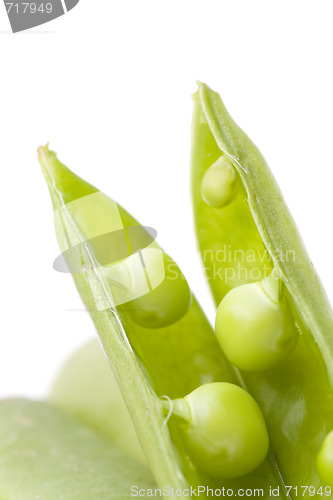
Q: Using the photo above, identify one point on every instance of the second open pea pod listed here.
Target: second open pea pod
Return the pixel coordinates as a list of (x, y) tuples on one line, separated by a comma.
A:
[(274, 322), (158, 343)]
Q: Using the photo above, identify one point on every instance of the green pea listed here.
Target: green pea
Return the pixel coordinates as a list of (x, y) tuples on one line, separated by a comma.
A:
[(223, 428), (255, 328), (155, 293), (325, 460), (219, 183)]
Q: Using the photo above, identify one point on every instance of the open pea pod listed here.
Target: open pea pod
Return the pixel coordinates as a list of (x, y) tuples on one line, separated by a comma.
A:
[(154, 334), (246, 235)]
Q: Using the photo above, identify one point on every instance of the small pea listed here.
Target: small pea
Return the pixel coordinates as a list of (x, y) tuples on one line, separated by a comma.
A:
[(255, 329), (219, 183), (325, 460), (154, 291), (223, 429)]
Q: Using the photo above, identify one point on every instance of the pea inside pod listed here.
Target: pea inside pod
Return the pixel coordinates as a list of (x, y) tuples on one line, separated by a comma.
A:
[(219, 184), (223, 428), (325, 460), (151, 288), (255, 327)]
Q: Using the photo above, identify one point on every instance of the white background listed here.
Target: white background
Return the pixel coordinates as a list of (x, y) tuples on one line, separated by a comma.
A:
[(109, 86)]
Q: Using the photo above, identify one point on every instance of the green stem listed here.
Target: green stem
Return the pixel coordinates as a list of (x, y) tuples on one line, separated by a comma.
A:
[(176, 409), (272, 286)]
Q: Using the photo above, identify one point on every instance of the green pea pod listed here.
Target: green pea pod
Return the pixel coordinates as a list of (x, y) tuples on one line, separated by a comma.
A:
[(241, 242), (44, 454), (167, 349)]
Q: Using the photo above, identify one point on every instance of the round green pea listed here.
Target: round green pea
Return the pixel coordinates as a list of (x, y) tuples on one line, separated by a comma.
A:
[(165, 297), (219, 184), (255, 333), (324, 461), (225, 433)]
